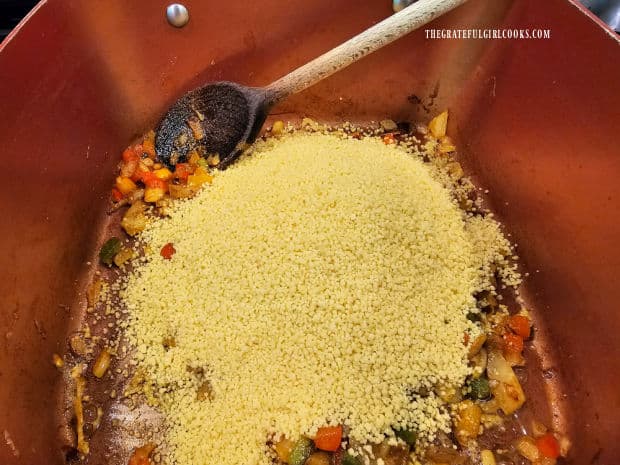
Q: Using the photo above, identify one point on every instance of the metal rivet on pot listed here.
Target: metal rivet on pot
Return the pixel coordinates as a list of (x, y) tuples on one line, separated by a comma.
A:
[(177, 15)]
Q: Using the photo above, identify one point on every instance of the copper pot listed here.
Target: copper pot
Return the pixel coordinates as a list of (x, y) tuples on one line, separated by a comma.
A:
[(536, 122)]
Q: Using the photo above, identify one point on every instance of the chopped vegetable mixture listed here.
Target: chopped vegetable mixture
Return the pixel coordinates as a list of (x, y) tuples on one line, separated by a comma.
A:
[(333, 298)]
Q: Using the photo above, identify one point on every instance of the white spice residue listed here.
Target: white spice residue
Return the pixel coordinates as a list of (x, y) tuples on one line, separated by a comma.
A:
[(318, 281)]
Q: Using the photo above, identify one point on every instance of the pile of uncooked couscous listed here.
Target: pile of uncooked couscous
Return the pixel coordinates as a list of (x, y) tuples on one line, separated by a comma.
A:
[(320, 280)]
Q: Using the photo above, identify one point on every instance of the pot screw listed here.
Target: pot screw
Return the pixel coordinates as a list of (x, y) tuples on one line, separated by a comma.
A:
[(177, 15)]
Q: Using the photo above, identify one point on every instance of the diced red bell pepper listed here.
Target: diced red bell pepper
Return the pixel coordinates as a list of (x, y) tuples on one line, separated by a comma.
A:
[(167, 251), (182, 171), (116, 194), (389, 138), (138, 174), (151, 180), (141, 455), (132, 153), (548, 446), (328, 438), (145, 176), (156, 183), (520, 325)]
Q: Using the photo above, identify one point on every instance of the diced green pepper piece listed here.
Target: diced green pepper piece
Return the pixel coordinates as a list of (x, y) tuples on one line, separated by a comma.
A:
[(479, 388), (301, 451), (348, 459), (203, 162), (407, 435), (108, 250)]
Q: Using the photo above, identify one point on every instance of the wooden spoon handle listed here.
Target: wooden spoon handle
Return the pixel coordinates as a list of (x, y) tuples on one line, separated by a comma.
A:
[(372, 39)]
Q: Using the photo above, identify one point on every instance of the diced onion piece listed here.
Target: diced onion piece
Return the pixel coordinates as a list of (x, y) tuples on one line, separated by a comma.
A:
[(510, 397), (507, 389), (480, 362), (283, 449), (454, 168), (538, 429), (213, 160), (545, 461), (125, 185), (447, 455), (78, 409), (476, 345), (450, 394), (134, 220), (200, 177), (163, 173), (128, 168), (526, 446), (487, 457), (153, 194), (58, 361), (498, 369), (467, 422), (491, 420), (182, 191), (565, 445), (439, 124), (193, 158), (318, 458), (277, 127), (196, 127), (94, 292), (102, 363), (123, 256)]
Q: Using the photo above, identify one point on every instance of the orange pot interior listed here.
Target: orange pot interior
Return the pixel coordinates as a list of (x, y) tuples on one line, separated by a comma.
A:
[(535, 121)]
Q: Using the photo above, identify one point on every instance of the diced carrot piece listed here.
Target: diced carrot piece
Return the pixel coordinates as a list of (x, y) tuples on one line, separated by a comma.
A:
[(513, 343), (328, 438), (117, 195)]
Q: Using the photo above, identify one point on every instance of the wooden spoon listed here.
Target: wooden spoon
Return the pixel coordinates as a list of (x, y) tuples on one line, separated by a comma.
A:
[(225, 116)]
